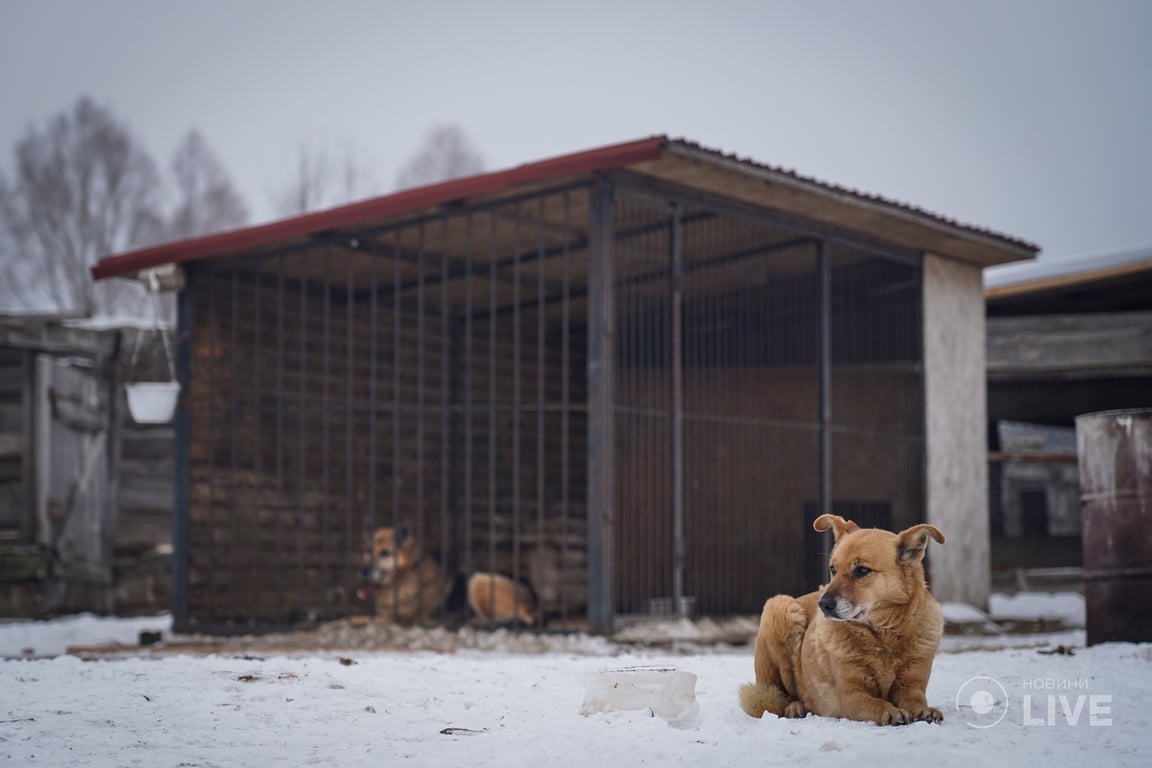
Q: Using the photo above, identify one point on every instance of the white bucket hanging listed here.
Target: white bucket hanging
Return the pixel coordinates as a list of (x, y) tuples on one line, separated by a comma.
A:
[(153, 402)]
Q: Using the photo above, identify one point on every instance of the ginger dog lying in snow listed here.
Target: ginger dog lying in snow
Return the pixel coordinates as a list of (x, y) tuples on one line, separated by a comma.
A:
[(413, 588), (862, 647)]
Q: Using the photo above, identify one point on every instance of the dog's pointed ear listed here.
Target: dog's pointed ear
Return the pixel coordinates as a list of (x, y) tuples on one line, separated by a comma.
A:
[(839, 525), (403, 531), (911, 542)]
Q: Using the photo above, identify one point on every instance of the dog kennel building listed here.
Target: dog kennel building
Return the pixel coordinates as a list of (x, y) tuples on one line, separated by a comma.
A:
[(630, 376)]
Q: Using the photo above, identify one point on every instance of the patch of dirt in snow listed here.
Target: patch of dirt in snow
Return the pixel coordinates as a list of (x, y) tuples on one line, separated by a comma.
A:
[(339, 636)]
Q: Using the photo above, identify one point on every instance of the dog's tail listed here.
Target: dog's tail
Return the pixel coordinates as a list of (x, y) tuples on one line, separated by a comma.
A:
[(758, 698)]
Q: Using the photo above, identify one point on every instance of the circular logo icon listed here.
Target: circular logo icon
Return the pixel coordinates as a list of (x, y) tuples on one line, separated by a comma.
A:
[(982, 702)]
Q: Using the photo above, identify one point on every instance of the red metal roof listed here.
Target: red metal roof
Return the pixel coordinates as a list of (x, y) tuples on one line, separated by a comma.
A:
[(589, 161), (603, 158)]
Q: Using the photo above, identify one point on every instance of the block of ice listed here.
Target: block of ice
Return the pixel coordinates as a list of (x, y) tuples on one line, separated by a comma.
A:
[(669, 692)]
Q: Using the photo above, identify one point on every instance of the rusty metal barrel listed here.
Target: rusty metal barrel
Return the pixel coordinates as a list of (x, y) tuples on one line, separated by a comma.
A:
[(1115, 456)]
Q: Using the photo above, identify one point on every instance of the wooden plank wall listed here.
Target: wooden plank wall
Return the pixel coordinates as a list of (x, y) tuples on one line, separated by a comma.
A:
[(145, 468), (16, 504)]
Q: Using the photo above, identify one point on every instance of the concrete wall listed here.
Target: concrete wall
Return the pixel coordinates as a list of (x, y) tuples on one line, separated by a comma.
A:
[(956, 442)]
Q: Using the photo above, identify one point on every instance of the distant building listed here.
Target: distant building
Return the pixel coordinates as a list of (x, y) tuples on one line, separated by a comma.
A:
[(1065, 337)]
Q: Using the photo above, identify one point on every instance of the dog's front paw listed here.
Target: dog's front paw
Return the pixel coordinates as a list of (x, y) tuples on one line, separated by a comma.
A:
[(795, 709), (892, 715), (928, 715)]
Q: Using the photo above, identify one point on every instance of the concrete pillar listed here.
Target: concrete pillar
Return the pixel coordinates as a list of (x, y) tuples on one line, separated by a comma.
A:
[(956, 432)]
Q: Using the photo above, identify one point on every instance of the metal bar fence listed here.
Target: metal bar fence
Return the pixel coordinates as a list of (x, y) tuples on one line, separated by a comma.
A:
[(630, 399)]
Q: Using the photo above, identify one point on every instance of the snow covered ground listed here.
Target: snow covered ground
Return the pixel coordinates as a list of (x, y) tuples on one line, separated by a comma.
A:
[(503, 708), (52, 638), (1066, 607)]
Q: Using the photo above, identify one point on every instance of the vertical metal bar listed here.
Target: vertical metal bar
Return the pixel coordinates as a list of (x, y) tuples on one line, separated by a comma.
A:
[(730, 485), (703, 401), (469, 256), (540, 383), (627, 357), (325, 421), (825, 378), (724, 227), (492, 426), (758, 325), (447, 443), (650, 339), (350, 505), (676, 295), (565, 404), (182, 470), (921, 445), (373, 389), (517, 405), (255, 543), (213, 398), (233, 442), (646, 327), (396, 362), (601, 383), (421, 403), (711, 480), (281, 438), (302, 437), (628, 426), (631, 353), (653, 339)]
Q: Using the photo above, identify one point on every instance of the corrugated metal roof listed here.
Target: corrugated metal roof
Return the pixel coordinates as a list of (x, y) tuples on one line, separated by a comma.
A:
[(643, 152), (859, 195)]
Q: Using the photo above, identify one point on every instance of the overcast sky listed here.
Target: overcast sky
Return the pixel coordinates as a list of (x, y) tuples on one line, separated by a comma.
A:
[(1033, 118)]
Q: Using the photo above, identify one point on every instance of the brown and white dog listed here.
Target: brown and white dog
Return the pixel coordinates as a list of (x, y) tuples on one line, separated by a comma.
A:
[(412, 588), (862, 646)]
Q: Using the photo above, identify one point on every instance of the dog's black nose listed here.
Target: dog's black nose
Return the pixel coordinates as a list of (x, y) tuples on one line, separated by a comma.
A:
[(828, 603)]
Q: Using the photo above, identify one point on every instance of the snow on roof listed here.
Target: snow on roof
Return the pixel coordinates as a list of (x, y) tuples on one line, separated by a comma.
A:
[(1043, 274)]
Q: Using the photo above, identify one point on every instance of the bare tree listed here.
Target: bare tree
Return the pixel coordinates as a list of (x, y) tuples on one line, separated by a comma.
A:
[(206, 201), (323, 178), (447, 153), (81, 188)]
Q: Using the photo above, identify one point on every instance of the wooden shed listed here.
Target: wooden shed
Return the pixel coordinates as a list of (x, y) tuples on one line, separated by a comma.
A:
[(631, 376), (85, 493)]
